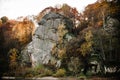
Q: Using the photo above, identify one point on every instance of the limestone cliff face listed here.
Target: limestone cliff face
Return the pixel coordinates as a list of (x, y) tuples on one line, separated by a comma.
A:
[(53, 29)]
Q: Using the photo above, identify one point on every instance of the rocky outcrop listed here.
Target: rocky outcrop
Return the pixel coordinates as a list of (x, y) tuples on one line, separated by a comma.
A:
[(111, 25), (52, 29)]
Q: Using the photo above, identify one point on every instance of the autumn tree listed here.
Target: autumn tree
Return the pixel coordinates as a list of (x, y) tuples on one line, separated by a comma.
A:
[(66, 10), (4, 19), (59, 50), (104, 8), (13, 59), (86, 47)]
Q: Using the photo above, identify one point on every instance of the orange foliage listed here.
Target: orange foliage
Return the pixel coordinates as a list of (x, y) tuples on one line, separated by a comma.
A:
[(99, 24), (16, 31), (65, 10), (23, 31), (97, 12)]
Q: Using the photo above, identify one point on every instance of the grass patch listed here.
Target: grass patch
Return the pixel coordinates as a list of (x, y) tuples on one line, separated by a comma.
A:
[(60, 73)]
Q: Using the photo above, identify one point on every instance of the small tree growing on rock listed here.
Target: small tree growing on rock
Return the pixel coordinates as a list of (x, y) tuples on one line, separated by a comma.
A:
[(13, 60)]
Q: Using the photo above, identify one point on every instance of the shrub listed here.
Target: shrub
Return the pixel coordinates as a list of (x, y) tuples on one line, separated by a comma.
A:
[(46, 72), (60, 73), (29, 72), (38, 71), (82, 76)]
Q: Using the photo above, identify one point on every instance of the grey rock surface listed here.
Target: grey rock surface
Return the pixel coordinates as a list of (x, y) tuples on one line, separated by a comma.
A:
[(45, 37), (111, 25)]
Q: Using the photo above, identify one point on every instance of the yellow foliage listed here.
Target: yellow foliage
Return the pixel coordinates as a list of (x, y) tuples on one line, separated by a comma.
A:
[(60, 73), (61, 53), (88, 36), (54, 50), (61, 31), (13, 55), (23, 31), (86, 47)]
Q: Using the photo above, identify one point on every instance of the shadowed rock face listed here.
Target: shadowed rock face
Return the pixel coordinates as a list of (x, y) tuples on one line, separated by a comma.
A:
[(46, 36), (112, 24)]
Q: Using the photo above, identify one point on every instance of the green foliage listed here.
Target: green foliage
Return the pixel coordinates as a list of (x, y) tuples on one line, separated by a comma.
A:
[(47, 72), (82, 76), (39, 71), (86, 47), (4, 19), (60, 73), (74, 65)]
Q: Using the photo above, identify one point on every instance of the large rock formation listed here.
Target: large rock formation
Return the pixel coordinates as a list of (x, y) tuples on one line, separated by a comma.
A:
[(52, 29)]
